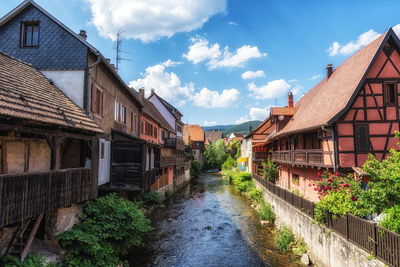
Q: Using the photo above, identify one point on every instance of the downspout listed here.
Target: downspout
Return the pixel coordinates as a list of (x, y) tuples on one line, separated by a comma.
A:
[(89, 88), (333, 146)]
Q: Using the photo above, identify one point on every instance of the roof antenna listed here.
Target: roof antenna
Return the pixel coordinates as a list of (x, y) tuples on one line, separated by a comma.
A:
[(118, 57), (276, 102)]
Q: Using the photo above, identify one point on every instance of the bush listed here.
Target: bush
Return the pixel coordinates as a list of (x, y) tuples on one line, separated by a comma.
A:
[(148, 199), (255, 195), (391, 219), (32, 260), (230, 175), (244, 186), (266, 213), (270, 170), (284, 239), (215, 155), (195, 169), (108, 227), (299, 247), (229, 163)]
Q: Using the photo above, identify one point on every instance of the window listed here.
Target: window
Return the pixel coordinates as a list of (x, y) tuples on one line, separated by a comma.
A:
[(97, 100), (390, 93), (295, 179), (119, 112), (362, 137), (101, 150), (155, 132), (30, 34), (162, 134), (142, 126)]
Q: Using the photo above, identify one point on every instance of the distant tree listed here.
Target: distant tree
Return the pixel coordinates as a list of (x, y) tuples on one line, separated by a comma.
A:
[(215, 155)]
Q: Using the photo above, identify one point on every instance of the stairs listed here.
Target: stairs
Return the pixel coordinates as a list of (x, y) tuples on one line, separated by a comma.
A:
[(23, 237)]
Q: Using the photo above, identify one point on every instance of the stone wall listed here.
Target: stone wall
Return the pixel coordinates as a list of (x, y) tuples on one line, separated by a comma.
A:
[(325, 247), (61, 220)]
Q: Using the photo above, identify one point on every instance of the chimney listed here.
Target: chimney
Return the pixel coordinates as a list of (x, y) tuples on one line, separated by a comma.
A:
[(152, 90), (290, 100), (250, 128), (329, 70), (82, 34), (141, 93)]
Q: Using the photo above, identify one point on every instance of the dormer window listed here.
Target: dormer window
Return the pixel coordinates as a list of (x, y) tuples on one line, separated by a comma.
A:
[(30, 34)]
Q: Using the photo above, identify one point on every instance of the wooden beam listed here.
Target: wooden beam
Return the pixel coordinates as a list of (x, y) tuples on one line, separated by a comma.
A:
[(95, 165), (31, 237)]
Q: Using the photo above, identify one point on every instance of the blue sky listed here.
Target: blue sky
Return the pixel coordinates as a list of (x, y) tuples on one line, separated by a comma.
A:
[(221, 61)]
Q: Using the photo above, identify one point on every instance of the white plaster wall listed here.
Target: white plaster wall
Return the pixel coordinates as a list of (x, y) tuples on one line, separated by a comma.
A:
[(163, 110), (70, 82), (104, 164)]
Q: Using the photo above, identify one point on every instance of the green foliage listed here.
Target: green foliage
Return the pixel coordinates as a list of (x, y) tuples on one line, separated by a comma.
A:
[(284, 239), (299, 247), (234, 149), (195, 169), (270, 170), (32, 260), (108, 227), (229, 163), (242, 128), (148, 199), (266, 213), (215, 155), (255, 195), (391, 219)]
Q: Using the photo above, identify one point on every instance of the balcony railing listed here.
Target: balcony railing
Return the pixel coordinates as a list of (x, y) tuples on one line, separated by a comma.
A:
[(174, 143), (27, 195), (308, 157), (167, 161), (260, 155)]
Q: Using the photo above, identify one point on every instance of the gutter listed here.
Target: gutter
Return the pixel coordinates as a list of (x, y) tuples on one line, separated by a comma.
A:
[(89, 87)]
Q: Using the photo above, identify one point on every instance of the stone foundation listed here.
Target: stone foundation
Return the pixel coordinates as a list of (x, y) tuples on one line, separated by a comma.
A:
[(62, 220)]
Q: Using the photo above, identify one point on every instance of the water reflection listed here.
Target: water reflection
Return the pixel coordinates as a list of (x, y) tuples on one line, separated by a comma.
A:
[(208, 224)]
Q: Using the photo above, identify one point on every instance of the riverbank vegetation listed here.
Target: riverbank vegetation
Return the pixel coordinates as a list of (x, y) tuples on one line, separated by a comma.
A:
[(341, 195), (108, 226)]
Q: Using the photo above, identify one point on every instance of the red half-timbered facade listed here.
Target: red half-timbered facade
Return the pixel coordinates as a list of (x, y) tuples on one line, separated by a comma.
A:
[(351, 113)]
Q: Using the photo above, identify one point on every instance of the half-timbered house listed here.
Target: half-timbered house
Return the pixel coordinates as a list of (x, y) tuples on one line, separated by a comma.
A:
[(48, 156), (352, 112)]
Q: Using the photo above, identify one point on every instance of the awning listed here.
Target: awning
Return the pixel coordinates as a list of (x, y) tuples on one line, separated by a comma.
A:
[(242, 159)]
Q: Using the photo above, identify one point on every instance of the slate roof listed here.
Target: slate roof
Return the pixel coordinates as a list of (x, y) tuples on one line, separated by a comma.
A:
[(25, 93), (214, 135), (174, 111), (150, 110), (324, 103)]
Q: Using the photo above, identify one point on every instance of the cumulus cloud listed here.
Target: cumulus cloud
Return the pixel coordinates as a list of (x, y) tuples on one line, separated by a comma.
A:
[(167, 84), (170, 63), (352, 46), (258, 114), (213, 99), (201, 50), (273, 89), (209, 123), (242, 119), (314, 77), (150, 20), (292, 81), (252, 74)]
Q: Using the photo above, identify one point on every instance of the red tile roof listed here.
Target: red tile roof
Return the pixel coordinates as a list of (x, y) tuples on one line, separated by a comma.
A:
[(26, 93)]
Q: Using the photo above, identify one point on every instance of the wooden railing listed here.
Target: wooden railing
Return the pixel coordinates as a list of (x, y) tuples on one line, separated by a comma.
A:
[(378, 241), (260, 155), (29, 194), (180, 161), (174, 142), (308, 157), (167, 161)]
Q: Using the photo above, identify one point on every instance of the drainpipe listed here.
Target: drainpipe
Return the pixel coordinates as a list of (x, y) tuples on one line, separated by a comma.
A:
[(89, 88), (333, 146)]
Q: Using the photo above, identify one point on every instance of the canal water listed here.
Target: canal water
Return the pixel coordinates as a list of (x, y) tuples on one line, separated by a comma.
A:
[(208, 224)]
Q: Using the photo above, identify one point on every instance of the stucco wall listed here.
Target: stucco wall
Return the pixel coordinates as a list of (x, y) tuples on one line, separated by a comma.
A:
[(70, 82), (325, 248), (40, 155), (163, 110)]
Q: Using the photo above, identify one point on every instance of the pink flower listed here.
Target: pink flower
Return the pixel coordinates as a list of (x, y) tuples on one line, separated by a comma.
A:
[(319, 174), (336, 173), (309, 185)]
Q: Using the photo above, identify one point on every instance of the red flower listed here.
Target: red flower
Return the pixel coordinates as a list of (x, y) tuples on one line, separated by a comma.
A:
[(309, 185), (319, 174), (336, 173), (267, 166)]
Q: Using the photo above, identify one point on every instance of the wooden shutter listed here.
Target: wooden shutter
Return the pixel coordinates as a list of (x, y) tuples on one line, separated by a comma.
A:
[(93, 98), (362, 138), (101, 103)]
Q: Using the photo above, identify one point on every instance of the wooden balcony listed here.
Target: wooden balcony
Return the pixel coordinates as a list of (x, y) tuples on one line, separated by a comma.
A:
[(308, 157), (167, 161), (174, 143), (27, 195), (260, 156)]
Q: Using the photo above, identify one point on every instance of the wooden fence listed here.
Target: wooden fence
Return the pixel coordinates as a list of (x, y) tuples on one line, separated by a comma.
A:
[(380, 242), (27, 195)]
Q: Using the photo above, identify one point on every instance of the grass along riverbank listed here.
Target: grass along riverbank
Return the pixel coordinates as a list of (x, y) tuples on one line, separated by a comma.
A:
[(284, 238)]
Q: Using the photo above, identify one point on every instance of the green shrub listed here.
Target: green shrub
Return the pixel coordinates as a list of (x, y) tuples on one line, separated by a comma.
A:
[(266, 213), (255, 195), (244, 186), (108, 227), (270, 170), (299, 247), (148, 199), (215, 155), (32, 260), (195, 170), (229, 163), (284, 239), (230, 175), (391, 219)]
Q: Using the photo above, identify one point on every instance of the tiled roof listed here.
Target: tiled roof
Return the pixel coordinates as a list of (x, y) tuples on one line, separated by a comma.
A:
[(194, 132), (214, 135), (26, 93), (322, 104), (285, 111)]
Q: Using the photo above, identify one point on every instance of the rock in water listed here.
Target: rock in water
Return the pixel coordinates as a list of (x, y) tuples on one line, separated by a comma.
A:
[(305, 259)]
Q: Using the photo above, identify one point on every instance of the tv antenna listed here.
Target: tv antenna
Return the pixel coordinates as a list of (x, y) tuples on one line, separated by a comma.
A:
[(118, 57)]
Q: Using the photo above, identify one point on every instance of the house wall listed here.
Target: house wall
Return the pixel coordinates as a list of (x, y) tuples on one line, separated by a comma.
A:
[(368, 107), (57, 50), (163, 110), (150, 138)]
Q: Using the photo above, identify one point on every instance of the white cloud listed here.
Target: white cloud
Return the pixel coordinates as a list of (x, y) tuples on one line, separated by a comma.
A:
[(297, 89), (252, 74), (258, 114), (292, 81), (209, 123), (314, 77), (242, 119), (352, 46), (213, 99), (232, 23), (273, 89), (150, 20), (200, 50), (170, 63), (396, 29), (166, 84)]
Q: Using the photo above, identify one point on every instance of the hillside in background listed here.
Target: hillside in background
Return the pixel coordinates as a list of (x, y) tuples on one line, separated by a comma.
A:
[(216, 127), (242, 128)]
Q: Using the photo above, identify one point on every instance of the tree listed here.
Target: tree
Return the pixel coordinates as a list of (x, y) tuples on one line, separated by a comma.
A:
[(215, 155)]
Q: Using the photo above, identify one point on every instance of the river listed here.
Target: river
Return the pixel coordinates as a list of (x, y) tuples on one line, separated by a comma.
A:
[(208, 224)]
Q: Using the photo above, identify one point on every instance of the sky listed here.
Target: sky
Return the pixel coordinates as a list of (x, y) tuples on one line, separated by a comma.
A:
[(225, 61)]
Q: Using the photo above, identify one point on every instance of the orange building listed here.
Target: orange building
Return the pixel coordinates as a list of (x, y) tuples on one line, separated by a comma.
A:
[(194, 136), (352, 112)]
